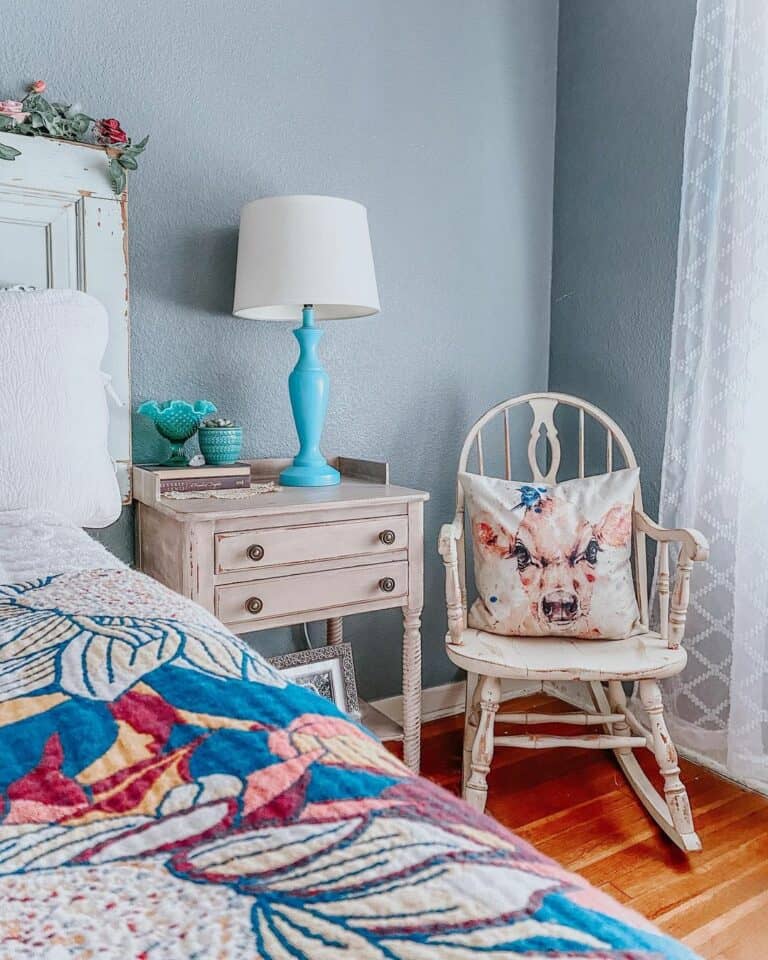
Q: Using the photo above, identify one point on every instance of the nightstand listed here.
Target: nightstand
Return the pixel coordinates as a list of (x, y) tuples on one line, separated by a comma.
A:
[(297, 555)]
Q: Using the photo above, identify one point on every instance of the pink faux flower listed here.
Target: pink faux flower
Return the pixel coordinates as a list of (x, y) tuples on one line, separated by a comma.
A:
[(37, 86), (13, 109)]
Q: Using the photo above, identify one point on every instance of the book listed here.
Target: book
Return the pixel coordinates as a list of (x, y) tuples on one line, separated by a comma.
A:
[(151, 480), (192, 484), (163, 472)]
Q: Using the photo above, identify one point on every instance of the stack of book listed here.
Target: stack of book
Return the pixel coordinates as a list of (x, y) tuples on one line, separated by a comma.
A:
[(152, 480)]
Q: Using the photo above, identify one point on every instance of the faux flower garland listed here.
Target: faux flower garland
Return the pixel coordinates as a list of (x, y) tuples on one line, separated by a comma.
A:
[(34, 116)]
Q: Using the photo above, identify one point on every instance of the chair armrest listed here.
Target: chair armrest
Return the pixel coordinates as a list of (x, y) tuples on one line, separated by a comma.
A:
[(450, 535), (694, 546), (694, 542)]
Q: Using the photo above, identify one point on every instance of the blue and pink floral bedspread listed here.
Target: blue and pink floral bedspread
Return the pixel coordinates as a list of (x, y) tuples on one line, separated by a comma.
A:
[(164, 793)]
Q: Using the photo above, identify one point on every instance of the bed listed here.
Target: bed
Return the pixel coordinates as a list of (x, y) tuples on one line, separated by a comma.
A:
[(165, 793)]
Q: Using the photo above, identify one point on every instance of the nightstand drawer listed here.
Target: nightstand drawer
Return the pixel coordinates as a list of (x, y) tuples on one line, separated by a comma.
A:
[(310, 592), (275, 546)]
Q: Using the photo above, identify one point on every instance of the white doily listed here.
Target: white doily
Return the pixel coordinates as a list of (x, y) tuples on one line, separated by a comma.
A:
[(256, 488)]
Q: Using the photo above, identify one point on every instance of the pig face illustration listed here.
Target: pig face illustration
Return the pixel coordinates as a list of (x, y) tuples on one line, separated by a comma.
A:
[(559, 557)]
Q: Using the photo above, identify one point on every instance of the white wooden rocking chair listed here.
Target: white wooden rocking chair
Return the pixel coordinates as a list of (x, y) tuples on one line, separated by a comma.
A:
[(601, 665)]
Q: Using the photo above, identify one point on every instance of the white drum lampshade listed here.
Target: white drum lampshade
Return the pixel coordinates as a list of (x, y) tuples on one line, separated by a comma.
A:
[(304, 250)]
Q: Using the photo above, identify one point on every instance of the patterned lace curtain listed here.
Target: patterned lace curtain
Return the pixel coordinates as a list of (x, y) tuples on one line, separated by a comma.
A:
[(716, 456)]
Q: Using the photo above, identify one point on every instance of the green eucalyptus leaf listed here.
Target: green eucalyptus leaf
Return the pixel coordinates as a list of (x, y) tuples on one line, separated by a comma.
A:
[(6, 122), (8, 153), (116, 175), (44, 107), (34, 103), (79, 123), (127, 162), (139, 147)]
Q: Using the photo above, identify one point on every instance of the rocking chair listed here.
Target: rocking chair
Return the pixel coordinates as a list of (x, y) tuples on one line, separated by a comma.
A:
[(603, 665)]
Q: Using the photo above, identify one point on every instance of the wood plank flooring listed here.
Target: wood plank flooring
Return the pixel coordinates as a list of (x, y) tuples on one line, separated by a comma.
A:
[(575, 806)]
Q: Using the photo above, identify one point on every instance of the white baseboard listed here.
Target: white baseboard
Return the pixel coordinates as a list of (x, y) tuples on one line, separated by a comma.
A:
[(448, 699)]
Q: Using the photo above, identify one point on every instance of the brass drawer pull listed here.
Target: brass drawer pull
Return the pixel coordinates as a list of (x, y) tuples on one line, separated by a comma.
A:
[(255, 552), (387, 584), (387, 537), (254, 605)]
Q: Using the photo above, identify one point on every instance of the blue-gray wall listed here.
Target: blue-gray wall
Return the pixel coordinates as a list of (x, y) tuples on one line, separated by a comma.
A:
[(621, 99), (437, 114)]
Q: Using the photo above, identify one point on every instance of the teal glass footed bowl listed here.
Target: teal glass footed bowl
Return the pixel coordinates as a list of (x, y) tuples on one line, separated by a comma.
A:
[(220, 445), (177, 421)]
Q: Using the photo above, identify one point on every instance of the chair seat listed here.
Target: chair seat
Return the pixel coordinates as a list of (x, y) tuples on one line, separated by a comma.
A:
[(644, 655)]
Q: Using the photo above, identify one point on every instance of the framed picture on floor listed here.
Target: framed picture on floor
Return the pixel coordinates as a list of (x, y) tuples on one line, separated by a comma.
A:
[(329, 671)]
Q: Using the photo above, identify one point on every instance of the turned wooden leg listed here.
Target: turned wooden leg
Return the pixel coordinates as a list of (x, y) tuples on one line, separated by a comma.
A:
[(471, 716), (476, 788), (412, 688), (334, 631), (666, 757), (617, 700)]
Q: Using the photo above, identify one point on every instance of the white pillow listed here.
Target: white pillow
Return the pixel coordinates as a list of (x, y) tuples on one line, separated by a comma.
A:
[(553, 560), (53, 408)]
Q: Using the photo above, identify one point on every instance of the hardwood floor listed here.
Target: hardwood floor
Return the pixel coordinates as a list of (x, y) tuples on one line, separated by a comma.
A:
[(575, 806)]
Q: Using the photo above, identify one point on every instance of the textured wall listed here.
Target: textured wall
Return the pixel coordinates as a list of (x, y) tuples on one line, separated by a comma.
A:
[(621, 99), (437, 114)]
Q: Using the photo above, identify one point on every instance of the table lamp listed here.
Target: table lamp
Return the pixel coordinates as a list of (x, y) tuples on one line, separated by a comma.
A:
[(305, 258)]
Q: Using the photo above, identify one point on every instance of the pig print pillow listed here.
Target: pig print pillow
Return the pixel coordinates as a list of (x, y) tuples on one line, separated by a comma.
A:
[(553, 560)]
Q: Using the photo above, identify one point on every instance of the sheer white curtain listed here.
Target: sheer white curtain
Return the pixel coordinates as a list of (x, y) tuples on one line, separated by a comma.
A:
[(716, 455)]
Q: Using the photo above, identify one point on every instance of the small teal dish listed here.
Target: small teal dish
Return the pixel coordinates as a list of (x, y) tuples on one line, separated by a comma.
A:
[(220, 446), (177, 421)]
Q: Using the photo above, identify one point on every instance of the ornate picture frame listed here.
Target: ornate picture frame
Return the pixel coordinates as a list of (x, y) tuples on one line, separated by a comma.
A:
[(329, 671)]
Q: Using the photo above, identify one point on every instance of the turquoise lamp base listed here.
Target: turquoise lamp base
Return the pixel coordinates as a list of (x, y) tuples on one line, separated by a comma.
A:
[(308, 387), (322, 475)]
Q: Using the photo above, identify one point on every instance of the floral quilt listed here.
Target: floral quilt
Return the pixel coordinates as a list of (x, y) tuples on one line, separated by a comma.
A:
[(164, 793)]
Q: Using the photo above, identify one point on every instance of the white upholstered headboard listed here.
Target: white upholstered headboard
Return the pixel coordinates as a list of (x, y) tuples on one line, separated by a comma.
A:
[(61, 226)]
